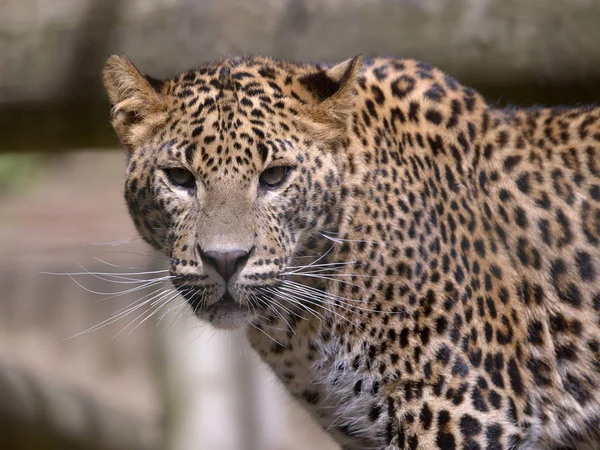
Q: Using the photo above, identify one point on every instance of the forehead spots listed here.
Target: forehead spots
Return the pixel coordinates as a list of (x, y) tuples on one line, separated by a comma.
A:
[(263, 151), (234, 125)]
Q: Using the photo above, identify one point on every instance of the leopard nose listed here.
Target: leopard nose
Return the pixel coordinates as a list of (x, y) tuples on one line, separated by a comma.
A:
[(227, 264)]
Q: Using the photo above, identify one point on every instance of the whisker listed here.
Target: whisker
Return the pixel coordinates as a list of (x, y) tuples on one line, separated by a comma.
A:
[(131, 291), (320, 277), (120, 314), (278, 313), (315, 302), (250, 298), (323, 265), (162, 300), (320, 257), (163, 303), (266, 334), (292, 300), (119, 242), (319, 291), (341, 240), (107, 263), (138, 253), (339, 301), (118, 279), (105, 273), (174, 308), (127, 291), (153, 293), (329, 274), (285, 309)]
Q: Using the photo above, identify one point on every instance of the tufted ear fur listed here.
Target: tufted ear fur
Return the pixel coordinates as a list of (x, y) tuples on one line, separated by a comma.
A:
[(335, 92), (137, 99)]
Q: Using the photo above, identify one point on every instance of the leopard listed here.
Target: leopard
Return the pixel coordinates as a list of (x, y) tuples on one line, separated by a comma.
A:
[(418, 267)]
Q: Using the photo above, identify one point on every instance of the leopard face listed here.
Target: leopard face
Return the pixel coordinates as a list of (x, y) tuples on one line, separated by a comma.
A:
[(230, 174)]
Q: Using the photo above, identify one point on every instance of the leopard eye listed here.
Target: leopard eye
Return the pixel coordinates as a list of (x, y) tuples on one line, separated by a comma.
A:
[(274, 176), (181, 177)]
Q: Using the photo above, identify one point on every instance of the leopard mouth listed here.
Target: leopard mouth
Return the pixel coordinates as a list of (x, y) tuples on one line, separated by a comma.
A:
[(225, 313)]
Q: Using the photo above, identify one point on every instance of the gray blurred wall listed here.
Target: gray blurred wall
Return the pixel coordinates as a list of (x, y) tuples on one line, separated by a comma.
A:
[(52, 51)]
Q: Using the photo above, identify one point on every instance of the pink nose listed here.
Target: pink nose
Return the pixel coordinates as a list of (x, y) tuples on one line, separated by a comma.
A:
[(227, 264)]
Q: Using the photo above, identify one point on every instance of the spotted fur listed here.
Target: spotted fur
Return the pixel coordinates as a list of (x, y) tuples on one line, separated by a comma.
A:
[(453, 301)]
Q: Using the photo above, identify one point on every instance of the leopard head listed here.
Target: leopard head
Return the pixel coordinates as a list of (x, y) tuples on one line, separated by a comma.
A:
[(233, 170)]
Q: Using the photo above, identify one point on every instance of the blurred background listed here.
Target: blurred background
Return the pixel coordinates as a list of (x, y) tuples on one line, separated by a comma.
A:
[(163, 381)]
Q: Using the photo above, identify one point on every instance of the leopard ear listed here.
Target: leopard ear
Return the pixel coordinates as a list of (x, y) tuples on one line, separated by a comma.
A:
[(134, 97), (335, 92)]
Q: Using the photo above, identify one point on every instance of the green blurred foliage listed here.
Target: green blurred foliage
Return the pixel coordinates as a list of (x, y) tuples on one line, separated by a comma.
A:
[(17, 171)]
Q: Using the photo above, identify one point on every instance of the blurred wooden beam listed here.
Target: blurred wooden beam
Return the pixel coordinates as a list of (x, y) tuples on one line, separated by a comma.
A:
[(75, 125), (55, 127)]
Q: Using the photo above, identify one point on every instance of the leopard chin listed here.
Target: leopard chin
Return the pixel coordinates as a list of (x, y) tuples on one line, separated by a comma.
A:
[(226, 314)]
